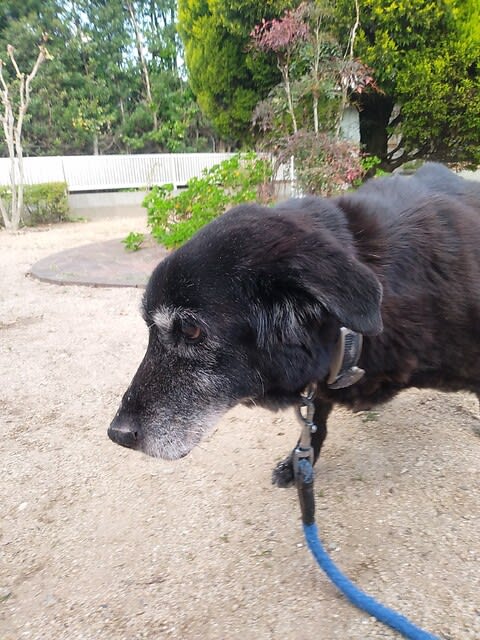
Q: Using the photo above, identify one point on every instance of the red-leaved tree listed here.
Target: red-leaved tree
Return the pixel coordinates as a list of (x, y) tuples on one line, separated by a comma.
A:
[(313, 69), (283, 37)]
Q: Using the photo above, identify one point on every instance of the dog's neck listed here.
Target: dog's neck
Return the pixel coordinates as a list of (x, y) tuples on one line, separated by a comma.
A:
[(343, 368)]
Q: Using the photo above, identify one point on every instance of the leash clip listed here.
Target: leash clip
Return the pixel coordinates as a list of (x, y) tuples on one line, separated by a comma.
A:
[(303, 455), (305, 411)]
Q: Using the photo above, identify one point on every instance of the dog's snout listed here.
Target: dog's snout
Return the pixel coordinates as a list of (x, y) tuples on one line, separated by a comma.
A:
[(124, 434)]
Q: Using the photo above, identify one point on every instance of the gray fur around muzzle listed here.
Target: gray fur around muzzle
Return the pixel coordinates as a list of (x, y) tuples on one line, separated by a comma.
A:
[(167, 419), (159, 432)]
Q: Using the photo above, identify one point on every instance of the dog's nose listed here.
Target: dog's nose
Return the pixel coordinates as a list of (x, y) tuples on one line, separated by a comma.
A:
[(124, 434)]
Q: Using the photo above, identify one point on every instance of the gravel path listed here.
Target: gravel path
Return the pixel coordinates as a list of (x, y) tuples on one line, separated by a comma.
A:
[(97, 542)]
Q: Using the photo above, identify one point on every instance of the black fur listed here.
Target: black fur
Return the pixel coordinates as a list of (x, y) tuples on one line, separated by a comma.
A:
[(267, 290)]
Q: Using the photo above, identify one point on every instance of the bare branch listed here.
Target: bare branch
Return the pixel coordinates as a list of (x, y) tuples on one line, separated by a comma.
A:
[(353, 32), (2, 79), (42, 56), (11, 55), (394, 163), (397, 120)]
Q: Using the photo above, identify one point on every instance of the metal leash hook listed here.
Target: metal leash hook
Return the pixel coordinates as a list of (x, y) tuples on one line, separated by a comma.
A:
[(303, 455), (306, 421)]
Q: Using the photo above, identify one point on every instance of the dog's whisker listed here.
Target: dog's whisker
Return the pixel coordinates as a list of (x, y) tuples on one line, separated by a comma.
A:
[(261, 380)]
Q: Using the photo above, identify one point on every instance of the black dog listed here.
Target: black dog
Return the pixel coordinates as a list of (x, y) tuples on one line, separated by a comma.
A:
[(264, 301)]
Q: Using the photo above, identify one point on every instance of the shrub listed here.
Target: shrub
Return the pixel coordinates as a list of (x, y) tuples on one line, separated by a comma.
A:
[(174, 218), (323, 165), (44, 203), (133, 241)]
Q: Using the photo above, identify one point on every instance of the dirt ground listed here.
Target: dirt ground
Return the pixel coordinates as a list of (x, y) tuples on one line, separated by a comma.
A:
[(98, 542)]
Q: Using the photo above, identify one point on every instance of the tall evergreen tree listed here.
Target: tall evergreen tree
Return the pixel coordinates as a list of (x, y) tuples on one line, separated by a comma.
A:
[(226, 76)]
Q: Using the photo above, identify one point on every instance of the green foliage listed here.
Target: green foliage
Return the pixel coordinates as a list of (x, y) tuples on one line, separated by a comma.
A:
[(440, 98), (44, 203), (313, 68), (391, 29), (174, 218), (371, 166), (90, 97), (133, 241), (226, 76), (425, 56)]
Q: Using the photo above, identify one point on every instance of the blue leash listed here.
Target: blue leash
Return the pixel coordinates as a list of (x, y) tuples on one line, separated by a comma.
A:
[(304, 480), (357, 596)]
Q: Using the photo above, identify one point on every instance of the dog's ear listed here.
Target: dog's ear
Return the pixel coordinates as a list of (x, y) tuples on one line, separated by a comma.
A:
[(308, 275), (348, 289)]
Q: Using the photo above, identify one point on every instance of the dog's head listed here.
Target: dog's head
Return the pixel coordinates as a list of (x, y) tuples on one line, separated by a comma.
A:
[(246, 311)]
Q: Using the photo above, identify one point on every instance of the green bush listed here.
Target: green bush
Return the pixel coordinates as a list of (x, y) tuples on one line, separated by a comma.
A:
[(134, 241), (174, 219), (44, 203)]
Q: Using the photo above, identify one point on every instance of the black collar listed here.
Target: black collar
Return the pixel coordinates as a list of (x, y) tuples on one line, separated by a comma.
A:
[(343, 368)]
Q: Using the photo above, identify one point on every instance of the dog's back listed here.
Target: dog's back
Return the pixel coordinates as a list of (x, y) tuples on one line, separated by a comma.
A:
[(396, 193), (439, 179), (420, 234)]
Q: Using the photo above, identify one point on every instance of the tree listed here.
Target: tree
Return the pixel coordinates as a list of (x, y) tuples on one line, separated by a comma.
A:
[(91, 73), (312, 66), (158, 111), (93, 96), (227, 78), (424, 56), (283, 37), (313, 70), (76, 108), (141, 58), (12, 119), (321, 43)]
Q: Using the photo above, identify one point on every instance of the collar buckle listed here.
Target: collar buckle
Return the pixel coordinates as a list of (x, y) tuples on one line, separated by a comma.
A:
[(343, 369)]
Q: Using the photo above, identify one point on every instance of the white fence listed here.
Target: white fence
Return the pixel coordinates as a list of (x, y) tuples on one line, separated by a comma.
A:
[(104, 173), (116, 172)]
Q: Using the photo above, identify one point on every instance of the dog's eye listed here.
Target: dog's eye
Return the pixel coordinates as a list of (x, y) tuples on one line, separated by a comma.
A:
[(191, 332)]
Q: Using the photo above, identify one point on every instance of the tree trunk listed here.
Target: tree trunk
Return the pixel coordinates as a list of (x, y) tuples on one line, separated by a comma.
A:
[(122, 110), (317, 44), (286, 81), (349, 54), (143, 63), (315, 113), (17, 210), (8, 129), (13, 134), (5, 216), (375, 112), (13, 194), (341, 111), (17, 215)]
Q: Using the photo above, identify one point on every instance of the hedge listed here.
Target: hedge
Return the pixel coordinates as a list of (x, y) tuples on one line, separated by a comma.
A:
[(44, 203)]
